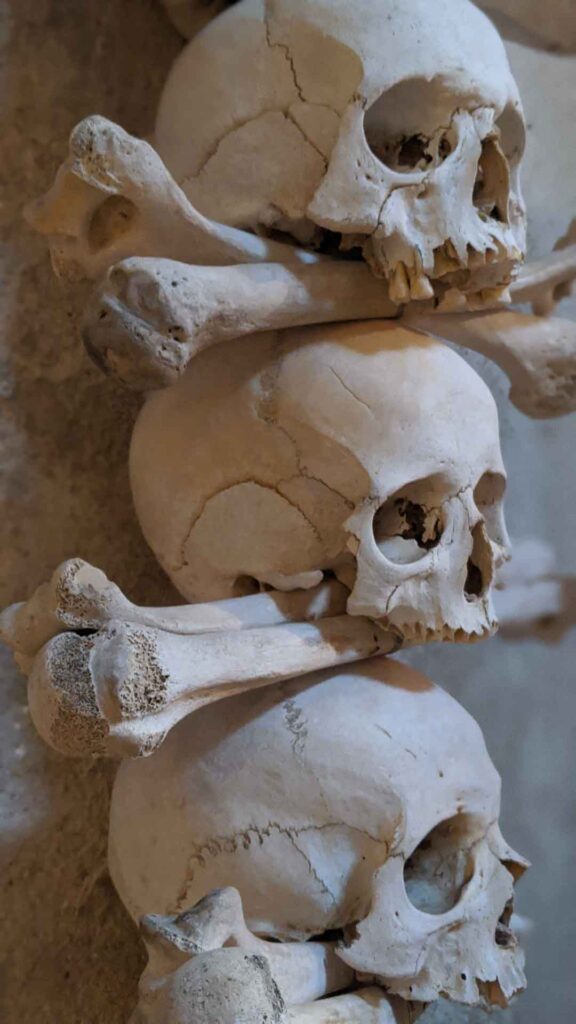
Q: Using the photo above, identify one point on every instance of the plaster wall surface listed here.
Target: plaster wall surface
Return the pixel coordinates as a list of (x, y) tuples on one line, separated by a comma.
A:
[(69, 954)]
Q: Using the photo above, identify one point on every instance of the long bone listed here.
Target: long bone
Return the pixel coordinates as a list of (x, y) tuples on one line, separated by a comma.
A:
[(303, 971), (119, 691), (153, 316), (530, 595), (194, 974), (113, 197), (80, 597), (537, 354)]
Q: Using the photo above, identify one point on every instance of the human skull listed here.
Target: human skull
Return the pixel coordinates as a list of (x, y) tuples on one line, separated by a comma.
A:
[(392, 129), (360, 800), (369, 451)]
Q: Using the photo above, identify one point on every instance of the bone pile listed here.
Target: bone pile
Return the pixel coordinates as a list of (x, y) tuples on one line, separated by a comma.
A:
[(305, 829)]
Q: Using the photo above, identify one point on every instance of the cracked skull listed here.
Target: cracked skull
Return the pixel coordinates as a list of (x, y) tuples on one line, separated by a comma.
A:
[(383, 129), (368, 451), (359, 801)]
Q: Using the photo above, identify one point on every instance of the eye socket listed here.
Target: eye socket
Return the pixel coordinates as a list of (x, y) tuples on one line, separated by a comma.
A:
[(441, 866), (409, 153), (409, 524), (401, 127)]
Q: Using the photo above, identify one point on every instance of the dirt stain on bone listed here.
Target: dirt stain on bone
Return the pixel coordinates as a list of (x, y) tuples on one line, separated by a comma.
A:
[(296, 724)]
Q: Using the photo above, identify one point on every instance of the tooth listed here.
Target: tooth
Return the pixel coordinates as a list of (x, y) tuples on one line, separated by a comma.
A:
[(451, 250), (495, 296), (420, 287), (453, 302), (399, 287)]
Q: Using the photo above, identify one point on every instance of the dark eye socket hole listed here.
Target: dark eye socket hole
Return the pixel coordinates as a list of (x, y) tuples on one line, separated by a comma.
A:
[(439, 868), (406, 529), (406, 153), (402, 129)]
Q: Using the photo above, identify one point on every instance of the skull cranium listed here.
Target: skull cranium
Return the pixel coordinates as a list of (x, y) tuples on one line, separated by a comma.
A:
[(365, 450), (390, 129), (359, 800)]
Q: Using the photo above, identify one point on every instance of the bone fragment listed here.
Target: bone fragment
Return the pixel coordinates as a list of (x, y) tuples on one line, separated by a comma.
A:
[(303, 971), (532, 598), (365, 1006), (545, 282), (152, 316), (206, 965), (537, 354), (113, 197), (119, 691), (81, 597)]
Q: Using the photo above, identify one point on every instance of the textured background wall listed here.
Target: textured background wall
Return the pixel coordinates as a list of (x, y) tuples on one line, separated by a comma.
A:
[(69, 954)]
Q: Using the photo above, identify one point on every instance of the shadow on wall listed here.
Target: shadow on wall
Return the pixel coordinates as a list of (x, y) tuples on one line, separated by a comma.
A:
[(70, 952)]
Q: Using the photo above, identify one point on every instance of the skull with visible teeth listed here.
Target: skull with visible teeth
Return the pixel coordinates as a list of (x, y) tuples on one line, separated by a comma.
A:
[(391, 130), (367, 451)]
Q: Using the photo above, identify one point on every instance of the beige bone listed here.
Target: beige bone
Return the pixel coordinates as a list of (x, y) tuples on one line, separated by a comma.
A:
[(78, 597), (537, 354), (119, 691), (302, 971), (113, 197), (153, 316), (205, 964)]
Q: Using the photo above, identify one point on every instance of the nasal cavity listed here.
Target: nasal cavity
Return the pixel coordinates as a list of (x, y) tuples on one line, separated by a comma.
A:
[(479, 570)]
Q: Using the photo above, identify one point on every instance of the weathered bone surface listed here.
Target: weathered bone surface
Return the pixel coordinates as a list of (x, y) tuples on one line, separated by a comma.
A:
[(205, 966), (301, 972), (113, 197), (151, 317), (394, 129), (330, 449), (80, 597), (276, 793), (118, 692), (537, 354)]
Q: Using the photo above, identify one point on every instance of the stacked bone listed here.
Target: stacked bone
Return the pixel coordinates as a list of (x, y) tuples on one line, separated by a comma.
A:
[(322, 848)]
